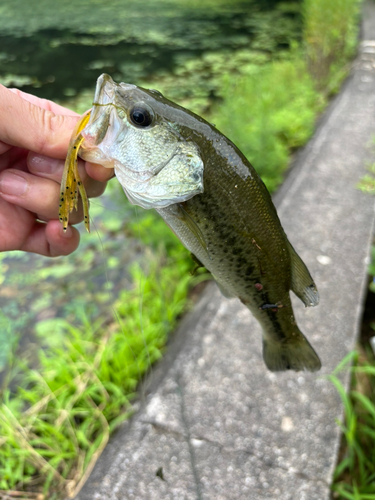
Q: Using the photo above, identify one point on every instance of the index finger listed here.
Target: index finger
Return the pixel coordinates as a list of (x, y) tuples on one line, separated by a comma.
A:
[(32, 127), (44, 103)]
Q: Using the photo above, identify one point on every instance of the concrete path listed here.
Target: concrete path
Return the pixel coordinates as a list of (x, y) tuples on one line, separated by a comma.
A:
[(216, 423)]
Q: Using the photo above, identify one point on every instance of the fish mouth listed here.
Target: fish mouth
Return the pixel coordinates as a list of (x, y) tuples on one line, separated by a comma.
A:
[(97, 127), (103, 100), (104, 103), (104, 128), (106, 91)]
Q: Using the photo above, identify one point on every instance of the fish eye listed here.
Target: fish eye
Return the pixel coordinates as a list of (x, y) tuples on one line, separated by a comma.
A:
[(141, 116)]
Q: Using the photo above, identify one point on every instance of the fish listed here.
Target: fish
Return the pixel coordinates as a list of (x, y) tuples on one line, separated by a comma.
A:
[(172, 160)]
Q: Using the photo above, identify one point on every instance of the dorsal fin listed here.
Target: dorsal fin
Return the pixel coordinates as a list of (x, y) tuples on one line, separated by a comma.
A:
[(302, 283)]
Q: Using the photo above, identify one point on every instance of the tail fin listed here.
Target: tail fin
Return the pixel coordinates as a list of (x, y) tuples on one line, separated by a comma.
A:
[(294, 354)]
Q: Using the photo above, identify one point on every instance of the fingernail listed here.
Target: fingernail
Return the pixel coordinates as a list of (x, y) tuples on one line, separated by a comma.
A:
[(45, 164), (13, 184)]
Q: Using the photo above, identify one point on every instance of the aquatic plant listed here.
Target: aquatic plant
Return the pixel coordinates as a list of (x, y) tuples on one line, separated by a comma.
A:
[(331, 35), (270, 112)]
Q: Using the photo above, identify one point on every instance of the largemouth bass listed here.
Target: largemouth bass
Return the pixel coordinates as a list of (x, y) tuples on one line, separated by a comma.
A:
[(170, 159)]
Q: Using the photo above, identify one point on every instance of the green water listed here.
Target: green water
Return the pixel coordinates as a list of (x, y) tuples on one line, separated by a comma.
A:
[(57, 49)]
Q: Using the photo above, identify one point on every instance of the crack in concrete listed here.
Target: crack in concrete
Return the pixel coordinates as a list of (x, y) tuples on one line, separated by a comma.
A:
[(164, 428), (188, 437)]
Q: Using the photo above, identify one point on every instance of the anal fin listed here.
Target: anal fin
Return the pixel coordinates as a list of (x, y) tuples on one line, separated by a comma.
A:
[(302, 283)]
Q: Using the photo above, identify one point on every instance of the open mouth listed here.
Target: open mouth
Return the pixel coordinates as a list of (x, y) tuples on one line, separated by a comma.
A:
[(107, 95), (97, 127), (104, 91)]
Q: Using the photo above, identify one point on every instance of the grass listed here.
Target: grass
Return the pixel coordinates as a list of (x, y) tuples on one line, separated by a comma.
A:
[(331, 36), (367, 183), (269, 113), (354, 477), (56, 419), (271, 110)]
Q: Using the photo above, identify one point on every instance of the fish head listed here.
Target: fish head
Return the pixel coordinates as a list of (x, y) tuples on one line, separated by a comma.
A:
[(139, 133)]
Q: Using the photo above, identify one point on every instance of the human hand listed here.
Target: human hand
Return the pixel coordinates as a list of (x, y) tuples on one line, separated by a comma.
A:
[(34, 137)]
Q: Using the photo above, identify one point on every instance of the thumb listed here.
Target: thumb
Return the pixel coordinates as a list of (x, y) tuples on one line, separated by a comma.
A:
[(35, 127)]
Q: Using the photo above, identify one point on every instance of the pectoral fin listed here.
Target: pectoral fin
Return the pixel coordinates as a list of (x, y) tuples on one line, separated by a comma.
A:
[(302, 283), (182, 214)]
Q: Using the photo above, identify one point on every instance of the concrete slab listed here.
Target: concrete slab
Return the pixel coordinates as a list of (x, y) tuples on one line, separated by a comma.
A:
[(216, 422)]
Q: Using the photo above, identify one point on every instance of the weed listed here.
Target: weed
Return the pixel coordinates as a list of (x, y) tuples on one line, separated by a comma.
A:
[(330, 34), (367, 182), (354, 477), (269, 113), (56, 422)]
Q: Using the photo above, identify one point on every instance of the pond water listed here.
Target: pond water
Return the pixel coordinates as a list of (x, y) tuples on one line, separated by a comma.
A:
[(56, 50)]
